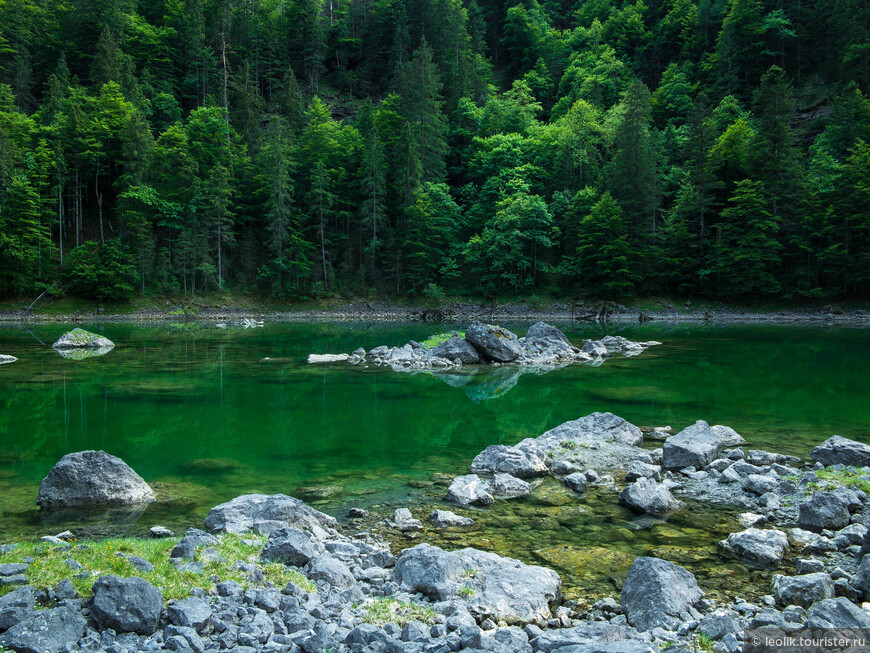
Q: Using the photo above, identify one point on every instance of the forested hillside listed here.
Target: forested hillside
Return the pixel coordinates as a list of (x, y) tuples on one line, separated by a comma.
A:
[(304, 148)]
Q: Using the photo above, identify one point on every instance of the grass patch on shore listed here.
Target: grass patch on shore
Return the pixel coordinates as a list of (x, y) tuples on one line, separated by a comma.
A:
[(392, 611), (51, 563), (433, 341), (831, 479)]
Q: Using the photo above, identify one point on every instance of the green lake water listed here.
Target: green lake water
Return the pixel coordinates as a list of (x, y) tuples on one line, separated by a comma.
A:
[(203, 416)]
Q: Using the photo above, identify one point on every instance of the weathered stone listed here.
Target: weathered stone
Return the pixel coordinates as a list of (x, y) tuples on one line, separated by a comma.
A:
[(837, 613), (508, 460), (190, 613), (838, 450), (576, 481), (127, 604), (493, 342), (81, 339), (861, 579), (330, 570), (448, 519), (457, 348), (92, 478), (802, 590), (759, 484), (469, 490), (243, 513), (16, 606), (45, 631), (647, 496), (594, 348), (757, 548), (327, 358), (658, 593), (728, 436), (405, 521), (291, 546), (505, 486), (637, 469), (694, 446), (824, 510)]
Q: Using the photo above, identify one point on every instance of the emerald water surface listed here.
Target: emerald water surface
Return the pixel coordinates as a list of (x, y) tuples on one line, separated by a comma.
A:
[(205, 414)]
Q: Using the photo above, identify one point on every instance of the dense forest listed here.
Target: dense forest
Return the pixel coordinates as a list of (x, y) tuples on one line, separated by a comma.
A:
[(308, 148)]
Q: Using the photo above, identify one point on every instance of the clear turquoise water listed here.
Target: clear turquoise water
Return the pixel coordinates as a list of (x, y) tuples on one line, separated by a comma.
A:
[(201, 414)]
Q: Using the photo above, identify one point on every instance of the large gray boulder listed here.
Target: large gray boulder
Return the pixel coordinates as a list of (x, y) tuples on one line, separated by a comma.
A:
[(505, 486), (429, 570), (658, 594), (508, 460), (545, 333), (728, 436), (838, 450), (647, 496), (695, 446), (330, 570), (45, 631), (291, 546), (92, 478), (81, 339), (593, 428), (824, 510), (455, 348), (253, 511), (494, 343), (837, 613), (493, 586), (756, 548), (127, 605), (470, 490), (16, 606), (802, 590)]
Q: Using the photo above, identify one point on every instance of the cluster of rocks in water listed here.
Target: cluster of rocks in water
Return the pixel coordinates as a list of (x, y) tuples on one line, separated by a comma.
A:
[(543, 346), (470, 600)]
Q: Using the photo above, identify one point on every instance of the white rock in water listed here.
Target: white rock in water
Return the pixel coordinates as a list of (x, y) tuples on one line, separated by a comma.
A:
[(327, 358), (79, 338), (7, 359)]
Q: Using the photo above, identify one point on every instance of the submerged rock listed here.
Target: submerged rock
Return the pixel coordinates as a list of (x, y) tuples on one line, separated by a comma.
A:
[(658, 594), (327, 358), (92, 478), (757, 548), (838, 450)]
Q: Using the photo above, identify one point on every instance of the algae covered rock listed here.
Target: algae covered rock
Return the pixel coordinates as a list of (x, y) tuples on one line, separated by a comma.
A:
[(81, 339)]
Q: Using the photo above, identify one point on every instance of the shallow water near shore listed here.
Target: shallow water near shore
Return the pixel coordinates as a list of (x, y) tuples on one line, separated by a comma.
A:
[(205, 414)]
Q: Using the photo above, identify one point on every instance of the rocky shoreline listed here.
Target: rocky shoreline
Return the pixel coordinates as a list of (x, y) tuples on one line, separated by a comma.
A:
[(351, 593), (459, 312)]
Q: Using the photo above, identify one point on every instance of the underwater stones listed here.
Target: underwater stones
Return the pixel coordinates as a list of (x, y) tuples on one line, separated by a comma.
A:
[(470, 490), (505, 486), (508, 460), (658, 594), (647, 496), (318, 492), (494, 342), (838, 450), (247, 511), (92, 478), (694, 446), (756, 548), (448, 519)]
